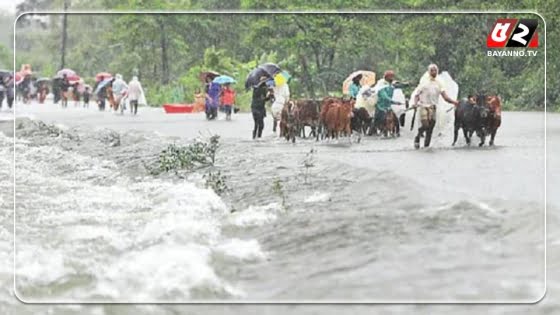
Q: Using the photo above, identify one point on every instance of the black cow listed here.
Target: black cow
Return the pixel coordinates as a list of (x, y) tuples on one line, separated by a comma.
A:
[(472, 116), (361, 120)]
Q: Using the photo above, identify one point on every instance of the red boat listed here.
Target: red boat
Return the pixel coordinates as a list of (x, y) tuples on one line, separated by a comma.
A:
[(178, 108)]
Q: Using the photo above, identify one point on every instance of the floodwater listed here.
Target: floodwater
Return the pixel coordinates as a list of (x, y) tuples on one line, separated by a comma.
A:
[(374, 221)]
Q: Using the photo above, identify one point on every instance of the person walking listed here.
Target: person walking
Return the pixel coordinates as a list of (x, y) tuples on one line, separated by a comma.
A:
[(135, 94)]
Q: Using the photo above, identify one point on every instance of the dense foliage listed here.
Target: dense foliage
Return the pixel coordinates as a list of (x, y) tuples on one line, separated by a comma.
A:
[(168, 51)]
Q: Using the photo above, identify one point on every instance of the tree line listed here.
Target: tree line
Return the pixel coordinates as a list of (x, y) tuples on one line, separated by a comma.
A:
[(167, 51)]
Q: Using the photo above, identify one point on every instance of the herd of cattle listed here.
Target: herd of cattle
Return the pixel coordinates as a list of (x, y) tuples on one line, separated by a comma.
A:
[(332, 117)]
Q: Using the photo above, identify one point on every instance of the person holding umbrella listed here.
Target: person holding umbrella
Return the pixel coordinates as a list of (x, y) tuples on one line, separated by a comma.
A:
[(212, 100), (64, 86), (355, 86), (227, 94), (101, 92), (260, 96)]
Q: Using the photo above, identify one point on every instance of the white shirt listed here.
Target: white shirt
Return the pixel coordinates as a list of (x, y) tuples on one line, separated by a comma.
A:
[(429, 92)]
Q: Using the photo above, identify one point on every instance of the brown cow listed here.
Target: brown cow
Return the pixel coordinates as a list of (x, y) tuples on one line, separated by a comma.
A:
[(288, 121), (308, 114), (495, 120), (345, 116), (391, 125), (326, 104), (335, 116)]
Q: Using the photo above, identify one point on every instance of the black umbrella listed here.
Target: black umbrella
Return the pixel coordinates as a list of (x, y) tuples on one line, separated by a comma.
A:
[(5, 73), (270, 68), (254, 77)]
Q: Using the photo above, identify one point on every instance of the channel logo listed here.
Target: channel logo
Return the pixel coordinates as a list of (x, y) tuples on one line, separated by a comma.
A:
[(513, 33)]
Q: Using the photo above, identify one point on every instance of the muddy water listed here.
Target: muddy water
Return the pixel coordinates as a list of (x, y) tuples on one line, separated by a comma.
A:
[(374, 221)]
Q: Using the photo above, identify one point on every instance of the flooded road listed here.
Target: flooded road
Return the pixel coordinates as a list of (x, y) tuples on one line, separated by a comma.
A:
[(373, 221)]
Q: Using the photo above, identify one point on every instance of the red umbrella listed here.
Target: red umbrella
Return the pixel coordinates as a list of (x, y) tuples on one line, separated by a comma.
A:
[(68, 72), (18, 77), (105, 75), (74, 79)]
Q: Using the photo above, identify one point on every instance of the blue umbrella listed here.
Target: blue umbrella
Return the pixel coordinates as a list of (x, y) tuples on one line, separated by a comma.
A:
[(102, 84), (223, 79)]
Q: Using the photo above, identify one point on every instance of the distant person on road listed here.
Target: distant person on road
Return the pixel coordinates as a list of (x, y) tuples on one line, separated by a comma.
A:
[(87, 94), (3, 88), (260, 96), (64, 86), (101, 94), (9, 84), (135, 94), (76, 94), (119, 90), (199, 100), (228, 99), (212, 100)]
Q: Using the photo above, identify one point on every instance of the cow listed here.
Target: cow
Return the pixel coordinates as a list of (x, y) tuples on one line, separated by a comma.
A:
[(326, 104), (495, 119), (361, 120), (335, 116), (288, 122), (308, 114), (391, 125), (465, 119), (345, 116), (473, 116)]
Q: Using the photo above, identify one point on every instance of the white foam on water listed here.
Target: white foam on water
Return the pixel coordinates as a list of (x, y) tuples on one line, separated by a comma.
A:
[(39, 266), (86, 232), (148, 239), (317, 197), (161, 272), (256, 215), (244, 250)]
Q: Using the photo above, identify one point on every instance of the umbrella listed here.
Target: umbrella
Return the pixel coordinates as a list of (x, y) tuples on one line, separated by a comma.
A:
[(43, 80), (105, 75), (255, 77), (282, 78), (68, 72), (102, 84), (75, 79), (208, 74), (5, 73), (18, 78), (368, 78), (270, 68), (223, 79)]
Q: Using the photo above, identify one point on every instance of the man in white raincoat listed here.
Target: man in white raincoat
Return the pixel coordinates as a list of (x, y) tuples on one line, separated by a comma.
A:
[(426, 100), (135, 95), (281, 96)]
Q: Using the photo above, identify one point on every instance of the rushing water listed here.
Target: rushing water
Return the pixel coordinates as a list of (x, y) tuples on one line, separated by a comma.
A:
[(371, 221)]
